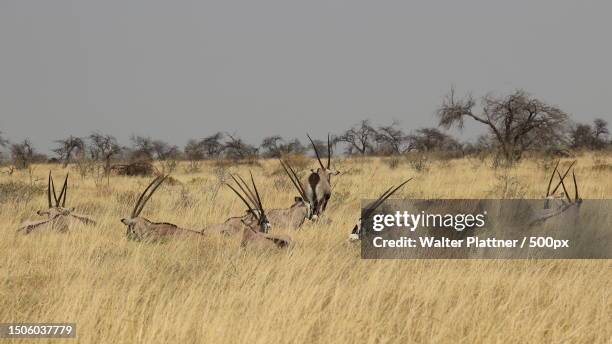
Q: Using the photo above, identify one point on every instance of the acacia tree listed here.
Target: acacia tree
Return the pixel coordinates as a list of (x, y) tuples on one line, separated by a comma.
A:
[(103, 147), (360, 138), (236, 149), (213, 145), (69, 148), (3, 143), (432, 139), (275, 146), (517, 121)]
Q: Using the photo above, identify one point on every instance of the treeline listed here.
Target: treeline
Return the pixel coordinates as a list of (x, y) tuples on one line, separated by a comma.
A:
[(515, 123)]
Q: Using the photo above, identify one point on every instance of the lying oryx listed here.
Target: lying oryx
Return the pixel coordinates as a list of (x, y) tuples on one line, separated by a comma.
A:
[(318, 184), (356, 233), (255, 232), (140, 228), (558, 204), (58, 217)]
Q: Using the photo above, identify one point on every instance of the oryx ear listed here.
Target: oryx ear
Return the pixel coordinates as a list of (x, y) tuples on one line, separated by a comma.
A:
[(335, 172), (127, 222), (298, 199), (314, 170)]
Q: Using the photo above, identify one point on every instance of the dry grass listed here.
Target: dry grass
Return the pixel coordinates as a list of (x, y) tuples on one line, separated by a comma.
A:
[(211, 291)]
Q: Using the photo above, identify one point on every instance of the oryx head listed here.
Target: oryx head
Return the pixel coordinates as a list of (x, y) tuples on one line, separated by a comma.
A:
[(301, 200), (324, 171), (356, 233), (135, 224), (254, 205)]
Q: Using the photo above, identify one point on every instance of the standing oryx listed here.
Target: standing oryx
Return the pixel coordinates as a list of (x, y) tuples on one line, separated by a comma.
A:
[(58, 217), (256, 232), (356, 233), (318, 184), (139, 228), (557, 204)]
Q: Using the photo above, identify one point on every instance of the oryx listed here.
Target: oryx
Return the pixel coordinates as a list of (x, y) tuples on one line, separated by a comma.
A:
[(557, 204), (356, 233), (318, 184), (256, 232), (140, 228), (58, 217)]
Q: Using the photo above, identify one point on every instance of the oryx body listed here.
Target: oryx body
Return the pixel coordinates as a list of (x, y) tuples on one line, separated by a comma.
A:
[(140, 228)]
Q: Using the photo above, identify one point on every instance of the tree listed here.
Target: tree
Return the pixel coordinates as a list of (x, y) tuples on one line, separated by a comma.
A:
[(591, 137), (390, 139), (22, 154), (432, 139), (165, 151), (142, 148), (69, 148), (3, 143), (276, 146), (236, 149), (517, 121), (103, 147), (213, 145), (361, 138)]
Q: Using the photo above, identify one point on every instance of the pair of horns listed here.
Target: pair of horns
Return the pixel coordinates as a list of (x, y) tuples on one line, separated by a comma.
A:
[(252, 196), (390, 191), (51, 190), (561, 182), (329, 151), (294, 178), (146, 195)]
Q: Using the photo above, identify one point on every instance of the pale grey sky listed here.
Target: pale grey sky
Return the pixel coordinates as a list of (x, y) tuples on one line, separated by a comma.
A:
[(185, 69)]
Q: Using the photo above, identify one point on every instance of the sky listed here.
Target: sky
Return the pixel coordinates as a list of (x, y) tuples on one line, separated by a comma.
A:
[(175, 70)]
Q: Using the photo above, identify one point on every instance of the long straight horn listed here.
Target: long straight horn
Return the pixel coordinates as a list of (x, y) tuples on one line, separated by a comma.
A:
[(575, 187), (564, 189), (49, 191), (296, 181), (564, 175), (551, 178), (142, 196), (146, 199), (53, 191), (64, 193), (244, 187), (316, 152), (259, 204), (384, 197), (243, 200), (329, 152)]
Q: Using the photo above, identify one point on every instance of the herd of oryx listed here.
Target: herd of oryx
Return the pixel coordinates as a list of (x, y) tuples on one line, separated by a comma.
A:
[(314, 194)]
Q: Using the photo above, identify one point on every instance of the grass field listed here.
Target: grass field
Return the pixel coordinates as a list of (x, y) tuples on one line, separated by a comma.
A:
[(212, 291)]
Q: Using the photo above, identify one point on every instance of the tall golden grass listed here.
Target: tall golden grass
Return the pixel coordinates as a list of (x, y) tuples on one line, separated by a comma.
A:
[(212, 291)]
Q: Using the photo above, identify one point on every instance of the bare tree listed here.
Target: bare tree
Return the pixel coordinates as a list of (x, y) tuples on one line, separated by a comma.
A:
[(194, 152), (517, 121), (276, 146), (600, 130), (69, 148), (3, 143), (390, 139), (359, 138), (104, 147), (23, 154)]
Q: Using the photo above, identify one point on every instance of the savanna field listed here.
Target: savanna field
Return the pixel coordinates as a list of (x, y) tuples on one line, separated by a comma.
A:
[(210, 290)]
